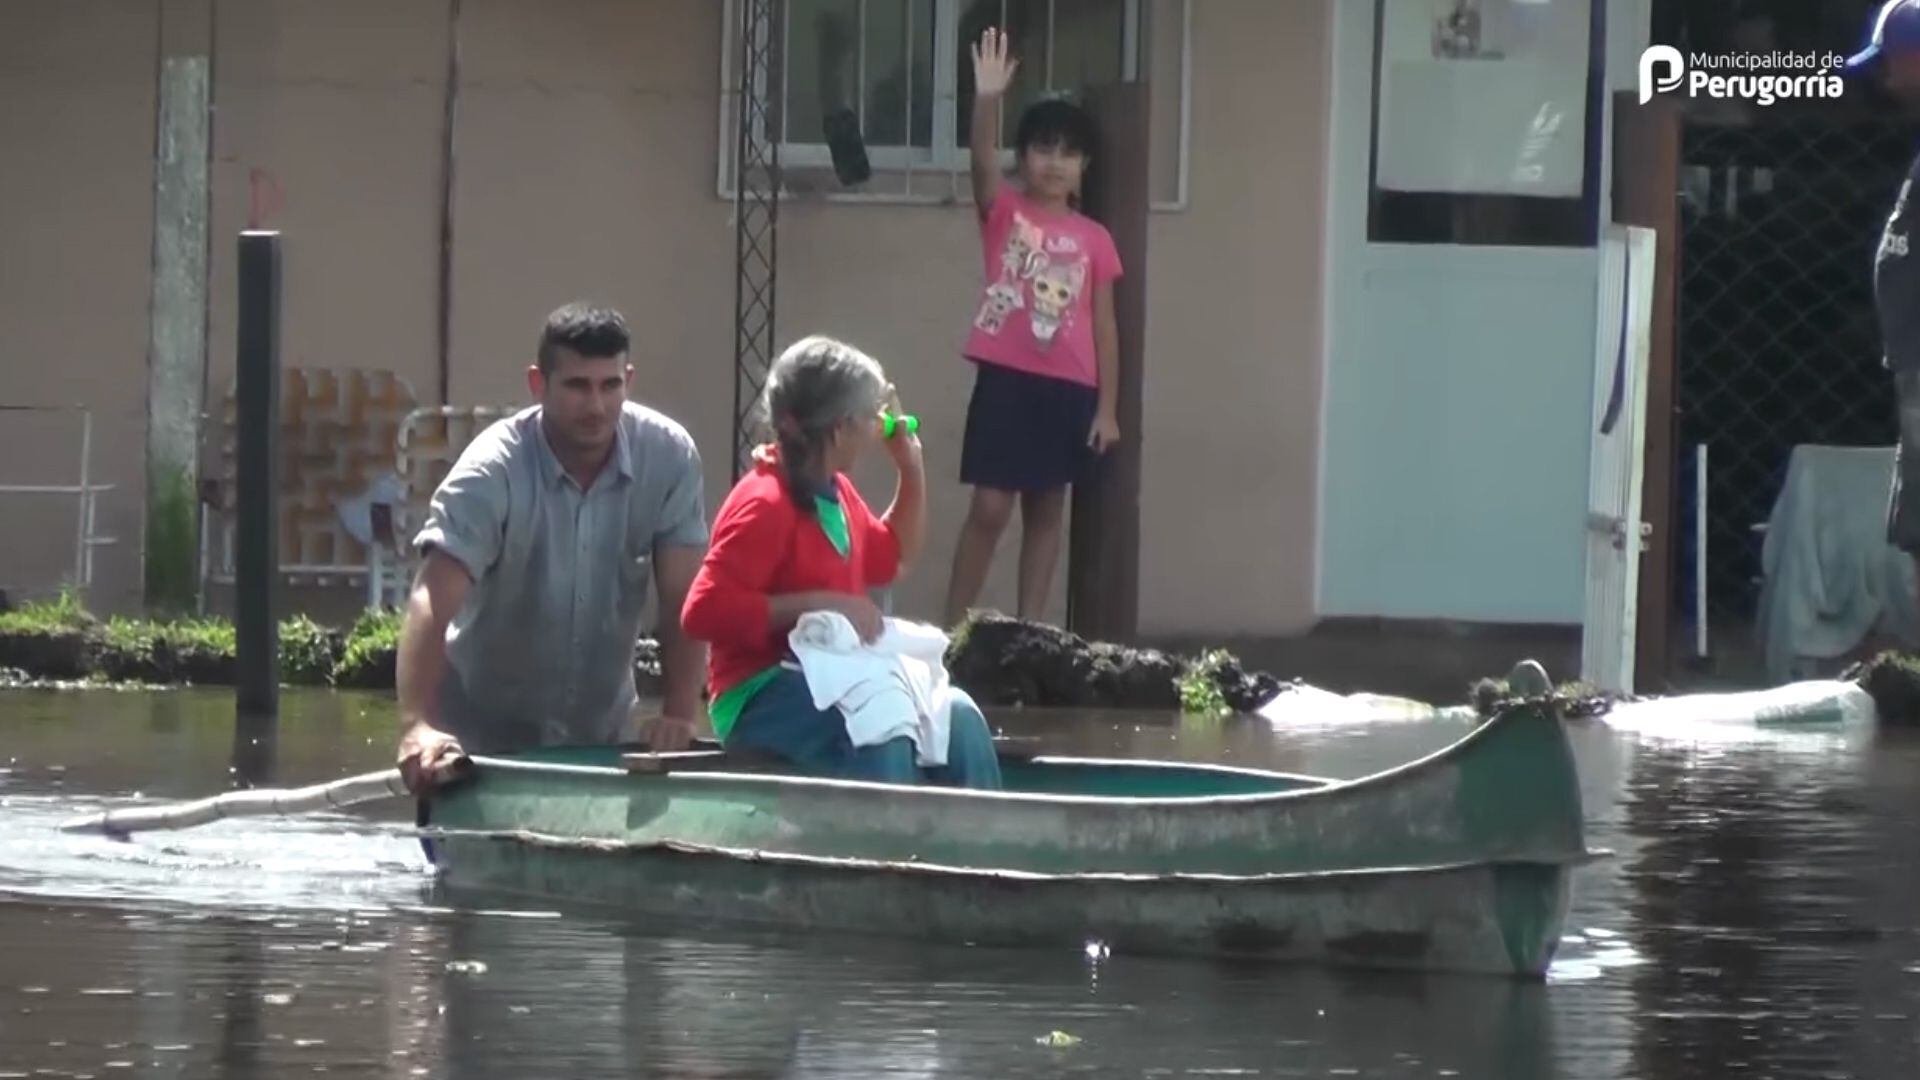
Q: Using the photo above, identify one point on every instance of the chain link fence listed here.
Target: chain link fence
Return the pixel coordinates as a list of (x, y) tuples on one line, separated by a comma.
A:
[(1778, 344)]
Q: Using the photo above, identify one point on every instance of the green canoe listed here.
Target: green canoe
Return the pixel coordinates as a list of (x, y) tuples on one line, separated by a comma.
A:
[(1459, 861)]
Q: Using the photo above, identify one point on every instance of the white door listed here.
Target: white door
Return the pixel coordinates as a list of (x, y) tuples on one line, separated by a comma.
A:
[(1615, 532)]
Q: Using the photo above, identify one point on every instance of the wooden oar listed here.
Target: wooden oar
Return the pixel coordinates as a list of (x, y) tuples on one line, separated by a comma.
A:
[(370, 787), (262, 802)]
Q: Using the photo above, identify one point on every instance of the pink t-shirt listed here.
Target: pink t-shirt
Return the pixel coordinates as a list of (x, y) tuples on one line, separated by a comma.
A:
[(1036, 313)]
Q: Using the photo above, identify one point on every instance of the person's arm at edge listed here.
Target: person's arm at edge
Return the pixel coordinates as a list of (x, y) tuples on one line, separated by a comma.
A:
[(438, 591), (458, 543), (1106, 350), (907, 515), (683, 659), (986, 157), (984, 135)]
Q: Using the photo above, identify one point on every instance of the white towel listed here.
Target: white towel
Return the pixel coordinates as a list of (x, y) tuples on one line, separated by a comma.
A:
[(893, 687)]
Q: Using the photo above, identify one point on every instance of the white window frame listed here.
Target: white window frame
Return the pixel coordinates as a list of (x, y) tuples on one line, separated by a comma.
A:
[(943, 155)]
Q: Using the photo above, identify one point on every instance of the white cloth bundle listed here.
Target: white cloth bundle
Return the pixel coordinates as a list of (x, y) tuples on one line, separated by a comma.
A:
[(895, 686)]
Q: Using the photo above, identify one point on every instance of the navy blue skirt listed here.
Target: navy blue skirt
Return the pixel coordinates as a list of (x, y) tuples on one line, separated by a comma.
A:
[(1026, 432)]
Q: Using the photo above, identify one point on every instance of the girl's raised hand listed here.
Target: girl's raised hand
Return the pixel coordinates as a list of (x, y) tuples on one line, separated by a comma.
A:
[(992, 68)]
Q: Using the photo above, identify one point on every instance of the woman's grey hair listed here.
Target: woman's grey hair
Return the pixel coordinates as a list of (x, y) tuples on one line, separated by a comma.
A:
[(817, 383)]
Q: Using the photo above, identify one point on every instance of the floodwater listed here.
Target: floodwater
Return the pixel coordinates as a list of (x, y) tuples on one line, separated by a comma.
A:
[(1760, 917)]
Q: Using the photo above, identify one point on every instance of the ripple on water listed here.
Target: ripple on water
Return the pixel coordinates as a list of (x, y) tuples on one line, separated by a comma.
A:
[(323, 862)]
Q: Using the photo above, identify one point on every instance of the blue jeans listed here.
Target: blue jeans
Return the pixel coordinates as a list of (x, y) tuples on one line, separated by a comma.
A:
[(780, 719)]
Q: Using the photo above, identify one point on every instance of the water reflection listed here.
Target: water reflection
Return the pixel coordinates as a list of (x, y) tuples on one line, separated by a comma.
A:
[(1758, 918), (1758, 900), (242, 1028)]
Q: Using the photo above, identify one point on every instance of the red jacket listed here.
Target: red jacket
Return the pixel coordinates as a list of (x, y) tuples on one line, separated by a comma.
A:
[(763, 546)]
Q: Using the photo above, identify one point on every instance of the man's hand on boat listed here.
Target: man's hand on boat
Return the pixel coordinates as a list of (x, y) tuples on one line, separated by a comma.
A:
[(428, 757), (666, 734)]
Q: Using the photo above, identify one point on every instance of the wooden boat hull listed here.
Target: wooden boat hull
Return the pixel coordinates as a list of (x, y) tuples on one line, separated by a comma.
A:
[(1457, 861)]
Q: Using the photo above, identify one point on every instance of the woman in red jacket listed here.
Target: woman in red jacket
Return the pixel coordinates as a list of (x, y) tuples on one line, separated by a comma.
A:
[(794, 536)]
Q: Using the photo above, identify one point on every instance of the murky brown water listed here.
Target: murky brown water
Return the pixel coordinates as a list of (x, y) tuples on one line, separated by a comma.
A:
[(1761, 918)]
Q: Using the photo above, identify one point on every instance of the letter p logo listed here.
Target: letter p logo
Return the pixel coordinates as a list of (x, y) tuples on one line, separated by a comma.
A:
[(1651, 61)]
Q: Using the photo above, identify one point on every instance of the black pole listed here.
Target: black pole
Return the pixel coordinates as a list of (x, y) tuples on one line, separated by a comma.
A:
[(257, 453), (443, 329)]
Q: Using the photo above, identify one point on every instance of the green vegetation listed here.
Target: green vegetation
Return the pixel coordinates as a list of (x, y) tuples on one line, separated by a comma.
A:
[(1572, 698), (1199, 685), (62, 612), (47, 640), (309, 652), (959, 637), (1892, 679), (141, 650), (60, 640), (371, 647)]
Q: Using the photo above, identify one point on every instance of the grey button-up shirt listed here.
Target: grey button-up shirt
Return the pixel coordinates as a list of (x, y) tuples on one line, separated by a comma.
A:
[(542, 651)]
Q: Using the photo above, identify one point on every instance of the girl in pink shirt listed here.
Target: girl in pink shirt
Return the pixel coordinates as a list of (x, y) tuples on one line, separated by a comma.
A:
[(1044, 344)]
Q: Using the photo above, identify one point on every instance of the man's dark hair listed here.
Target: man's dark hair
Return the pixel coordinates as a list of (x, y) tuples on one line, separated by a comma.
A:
[(595, 332), (1056, 121)]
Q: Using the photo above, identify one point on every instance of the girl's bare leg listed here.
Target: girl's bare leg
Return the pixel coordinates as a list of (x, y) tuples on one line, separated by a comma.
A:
[(1043, 517), (987, 518)]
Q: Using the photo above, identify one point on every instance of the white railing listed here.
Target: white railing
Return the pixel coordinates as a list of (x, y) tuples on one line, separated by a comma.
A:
[(86, 492)]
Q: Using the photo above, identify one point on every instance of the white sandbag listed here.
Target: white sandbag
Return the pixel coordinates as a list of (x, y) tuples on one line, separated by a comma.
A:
[(1309, 706), (1823, 702)]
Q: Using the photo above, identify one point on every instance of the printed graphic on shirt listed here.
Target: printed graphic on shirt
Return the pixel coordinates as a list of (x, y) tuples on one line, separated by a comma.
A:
[(1054, 288), (1893, 239), (1024, 255), (1039, 274)]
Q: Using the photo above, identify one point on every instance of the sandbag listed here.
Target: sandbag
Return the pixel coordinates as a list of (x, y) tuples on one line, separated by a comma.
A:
[(1819, 702), (1299, 705)]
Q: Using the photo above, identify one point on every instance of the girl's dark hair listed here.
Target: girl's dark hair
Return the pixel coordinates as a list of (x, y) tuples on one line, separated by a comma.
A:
[(1056, 121), (814, 386)]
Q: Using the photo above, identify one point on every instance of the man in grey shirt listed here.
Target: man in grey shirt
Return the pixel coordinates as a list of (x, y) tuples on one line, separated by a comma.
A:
[(538, 549)]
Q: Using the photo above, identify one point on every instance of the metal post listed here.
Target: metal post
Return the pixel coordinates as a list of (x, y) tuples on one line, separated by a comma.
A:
[(84, 526), (256, 489), (443, 327), (87, 501), (756, 216), (1700, 550)]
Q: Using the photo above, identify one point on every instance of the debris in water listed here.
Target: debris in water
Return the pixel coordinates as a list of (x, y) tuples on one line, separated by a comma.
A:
[(467, 967), (1058, 1038)]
